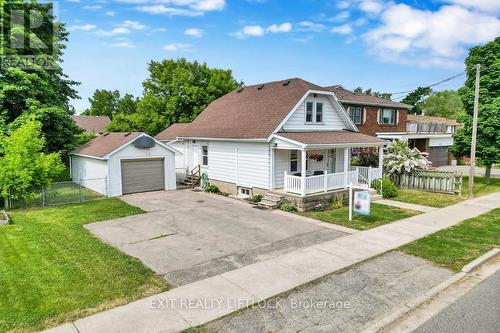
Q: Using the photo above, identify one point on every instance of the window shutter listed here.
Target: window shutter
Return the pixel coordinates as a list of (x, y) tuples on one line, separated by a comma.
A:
[(378, 117), (364, 115), (397, 116)]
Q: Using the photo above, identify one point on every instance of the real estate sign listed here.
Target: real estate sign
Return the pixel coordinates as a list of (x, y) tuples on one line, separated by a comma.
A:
[(361, 203)]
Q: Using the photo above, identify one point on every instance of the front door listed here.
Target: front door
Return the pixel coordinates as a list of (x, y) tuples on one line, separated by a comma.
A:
[(195, 155), (331, 161)]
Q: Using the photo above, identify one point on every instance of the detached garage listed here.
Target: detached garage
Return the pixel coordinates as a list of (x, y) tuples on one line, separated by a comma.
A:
[(115, 164)]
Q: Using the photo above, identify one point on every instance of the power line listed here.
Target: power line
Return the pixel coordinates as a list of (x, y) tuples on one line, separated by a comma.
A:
[(432, 85)]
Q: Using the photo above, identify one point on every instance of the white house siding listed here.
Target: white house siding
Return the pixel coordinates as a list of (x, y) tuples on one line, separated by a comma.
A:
[(331, 118), (180, 158), (441, 142), (241, 163), (131, 152), (90, 172)]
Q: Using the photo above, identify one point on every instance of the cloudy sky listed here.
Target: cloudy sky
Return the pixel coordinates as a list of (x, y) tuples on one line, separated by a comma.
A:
[(386, 45)]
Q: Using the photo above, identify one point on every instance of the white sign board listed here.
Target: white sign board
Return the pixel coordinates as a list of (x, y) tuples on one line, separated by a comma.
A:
[(361, 203)]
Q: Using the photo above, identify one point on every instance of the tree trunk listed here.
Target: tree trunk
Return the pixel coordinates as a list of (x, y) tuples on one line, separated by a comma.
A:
[(487, 174)]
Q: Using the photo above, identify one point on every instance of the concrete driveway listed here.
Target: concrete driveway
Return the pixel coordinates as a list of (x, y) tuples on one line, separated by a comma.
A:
[(188, 236)]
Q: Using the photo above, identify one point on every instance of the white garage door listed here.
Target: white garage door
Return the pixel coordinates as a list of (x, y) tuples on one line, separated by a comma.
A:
[(143, 175)]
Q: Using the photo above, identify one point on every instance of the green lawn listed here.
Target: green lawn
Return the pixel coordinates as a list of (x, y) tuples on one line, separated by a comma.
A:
[(53, 270), (442, 200), (457, 246), (380, 214)]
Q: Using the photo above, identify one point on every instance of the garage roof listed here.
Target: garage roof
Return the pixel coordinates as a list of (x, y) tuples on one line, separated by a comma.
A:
[(105, 144)]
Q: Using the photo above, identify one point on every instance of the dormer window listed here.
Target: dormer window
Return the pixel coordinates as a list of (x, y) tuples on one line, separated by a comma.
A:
[(314, 112), (356, 114)]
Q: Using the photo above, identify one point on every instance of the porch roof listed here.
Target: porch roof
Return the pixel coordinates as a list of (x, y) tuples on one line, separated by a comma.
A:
[(332, 138)]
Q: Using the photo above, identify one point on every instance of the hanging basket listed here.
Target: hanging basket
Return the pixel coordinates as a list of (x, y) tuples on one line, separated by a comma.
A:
[(315, 156)]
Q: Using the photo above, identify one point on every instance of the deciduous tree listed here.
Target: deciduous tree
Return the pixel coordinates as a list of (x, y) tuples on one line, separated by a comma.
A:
[(24, 167), (488, 126)]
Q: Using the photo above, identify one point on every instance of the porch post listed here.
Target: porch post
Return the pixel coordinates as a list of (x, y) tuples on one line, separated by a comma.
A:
[(303, 173), (346, 166), (380, 160)]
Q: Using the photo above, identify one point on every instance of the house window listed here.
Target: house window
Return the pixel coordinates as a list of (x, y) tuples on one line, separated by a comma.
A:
[(309, 112), (294, 161), (319, 112), (314, 112), (204, 155), (356, 114), (244, 191), (387, 116)]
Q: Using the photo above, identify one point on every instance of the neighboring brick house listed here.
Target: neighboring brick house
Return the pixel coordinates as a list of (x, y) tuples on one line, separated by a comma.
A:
[(390, 120), (373, 115)]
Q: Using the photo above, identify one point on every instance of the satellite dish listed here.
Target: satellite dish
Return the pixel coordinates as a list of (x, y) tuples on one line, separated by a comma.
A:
[(144, 142)]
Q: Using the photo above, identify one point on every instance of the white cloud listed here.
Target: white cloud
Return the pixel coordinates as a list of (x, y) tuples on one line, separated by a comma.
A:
[(123, 42), (113, 32), (194, 32), (177, 47), (371, 6), (178, 7), (343, 29), (424, 37), (133, 25), (92, 7), (342, 16), (489, 6), (170, 11), (283, 27), (343, 4), (83, 27), (110, 13), (258, 31), (311, 26)]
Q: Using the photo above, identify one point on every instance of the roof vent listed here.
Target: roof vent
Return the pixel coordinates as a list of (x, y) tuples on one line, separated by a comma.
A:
[(144, 142), (240, 89), (260, 87), (286, 83)]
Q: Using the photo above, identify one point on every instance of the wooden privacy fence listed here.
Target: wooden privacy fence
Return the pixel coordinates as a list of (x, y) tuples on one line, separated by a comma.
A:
[(432, 181)]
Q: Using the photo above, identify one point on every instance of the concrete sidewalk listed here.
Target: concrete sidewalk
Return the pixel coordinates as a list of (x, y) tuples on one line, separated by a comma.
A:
[(405, 205), (203, 301)]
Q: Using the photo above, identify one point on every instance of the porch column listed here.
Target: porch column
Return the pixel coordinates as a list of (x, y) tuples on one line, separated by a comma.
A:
[(346, 166), (303, 172), (380, 160)]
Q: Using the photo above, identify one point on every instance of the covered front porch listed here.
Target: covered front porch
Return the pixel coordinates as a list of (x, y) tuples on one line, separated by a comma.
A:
[(310, 163)]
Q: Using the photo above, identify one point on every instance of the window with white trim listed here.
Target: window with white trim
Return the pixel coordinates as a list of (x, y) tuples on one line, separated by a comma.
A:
[(244, 191), (356, 114), (314, 112), (294, 161), (204, 155), (387, 116)]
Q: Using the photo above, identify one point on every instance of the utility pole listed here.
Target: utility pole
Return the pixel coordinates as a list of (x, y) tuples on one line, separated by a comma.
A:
[(474, 131)]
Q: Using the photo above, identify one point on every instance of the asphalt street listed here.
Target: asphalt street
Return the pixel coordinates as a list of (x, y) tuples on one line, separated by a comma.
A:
[(477, 311)]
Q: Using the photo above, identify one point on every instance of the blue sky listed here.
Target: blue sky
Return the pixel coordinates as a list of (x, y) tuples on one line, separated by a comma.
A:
[(386, 45)]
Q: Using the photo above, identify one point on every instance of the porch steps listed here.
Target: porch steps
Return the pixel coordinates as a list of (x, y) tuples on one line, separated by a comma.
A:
[(270, 201), (190, 180)]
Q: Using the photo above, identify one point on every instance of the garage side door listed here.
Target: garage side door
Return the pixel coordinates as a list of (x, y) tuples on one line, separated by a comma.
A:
[(143, 175), (438, 156)]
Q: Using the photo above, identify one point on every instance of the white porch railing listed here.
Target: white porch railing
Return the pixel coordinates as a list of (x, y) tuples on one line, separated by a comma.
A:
[(320, 183), (367, 174)]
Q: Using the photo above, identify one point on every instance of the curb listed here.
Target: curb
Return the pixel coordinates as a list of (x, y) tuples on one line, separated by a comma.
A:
[(481, 260), (397, 314)]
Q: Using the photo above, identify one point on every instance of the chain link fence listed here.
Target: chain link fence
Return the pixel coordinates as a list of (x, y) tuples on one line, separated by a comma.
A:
[(61, 193)]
